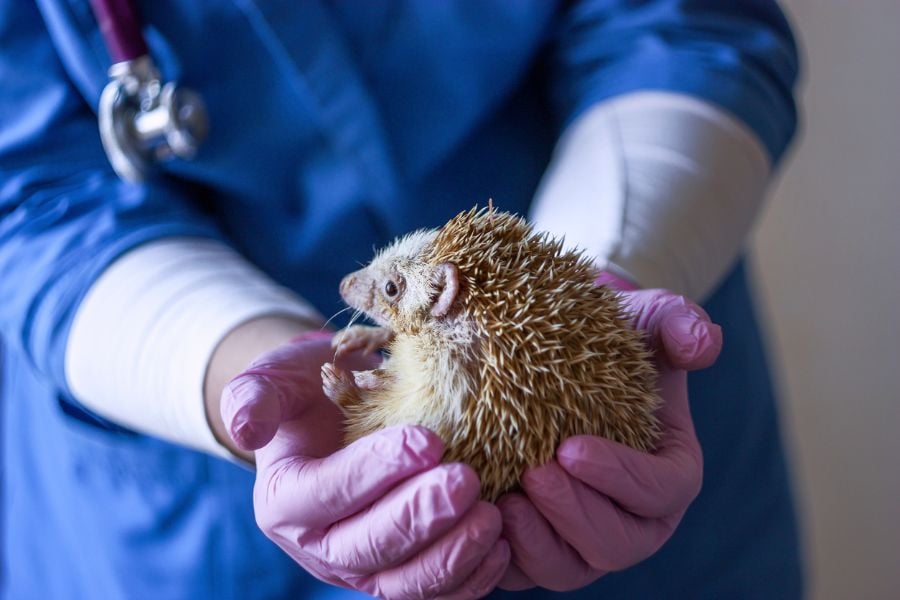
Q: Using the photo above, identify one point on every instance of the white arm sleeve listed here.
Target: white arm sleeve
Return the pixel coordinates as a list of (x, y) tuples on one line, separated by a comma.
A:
[(143, 336), (661, 188)]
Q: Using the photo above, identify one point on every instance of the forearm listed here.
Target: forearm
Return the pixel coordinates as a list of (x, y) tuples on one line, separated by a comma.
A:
[(658, 187), (162, 330), (675, 112)]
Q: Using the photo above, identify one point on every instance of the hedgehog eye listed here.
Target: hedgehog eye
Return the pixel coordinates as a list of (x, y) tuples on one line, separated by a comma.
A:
[(390, 288)]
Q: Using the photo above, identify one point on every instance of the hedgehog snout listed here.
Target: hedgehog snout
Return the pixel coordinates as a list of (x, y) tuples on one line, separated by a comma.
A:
[(357, 292), (347, 284)]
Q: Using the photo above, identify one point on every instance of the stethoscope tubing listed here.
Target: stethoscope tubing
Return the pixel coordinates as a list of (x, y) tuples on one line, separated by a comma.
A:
[(121, 29), (143, 120)]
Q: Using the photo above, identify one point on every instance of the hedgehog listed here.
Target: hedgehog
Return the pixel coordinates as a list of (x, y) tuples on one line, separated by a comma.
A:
[(497, 339)]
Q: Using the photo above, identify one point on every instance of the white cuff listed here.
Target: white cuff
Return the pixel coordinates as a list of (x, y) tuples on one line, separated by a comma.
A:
[(662, 188), (143, 336)]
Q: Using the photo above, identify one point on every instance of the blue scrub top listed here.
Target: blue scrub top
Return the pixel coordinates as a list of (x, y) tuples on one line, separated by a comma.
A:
[(335, 127)]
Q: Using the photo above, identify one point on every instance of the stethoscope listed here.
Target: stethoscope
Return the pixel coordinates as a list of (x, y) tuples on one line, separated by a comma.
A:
[(142, 119)]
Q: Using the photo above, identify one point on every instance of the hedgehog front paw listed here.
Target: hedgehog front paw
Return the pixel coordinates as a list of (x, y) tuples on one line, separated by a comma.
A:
[(370, 381), (359, 337), (339, 386)]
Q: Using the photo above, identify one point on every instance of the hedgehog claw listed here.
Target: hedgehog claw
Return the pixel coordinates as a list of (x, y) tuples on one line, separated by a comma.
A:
[(339, 385)]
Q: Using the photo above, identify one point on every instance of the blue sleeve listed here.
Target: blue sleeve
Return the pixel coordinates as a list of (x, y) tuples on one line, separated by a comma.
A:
[(64, 215), (738, 54)]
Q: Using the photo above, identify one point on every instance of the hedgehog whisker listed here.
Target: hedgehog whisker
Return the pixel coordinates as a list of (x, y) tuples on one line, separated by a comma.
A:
[(332, 317), (356, 315)]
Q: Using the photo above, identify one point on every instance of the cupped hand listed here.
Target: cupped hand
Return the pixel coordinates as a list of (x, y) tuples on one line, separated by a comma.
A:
[(382, 515), (601, 506)]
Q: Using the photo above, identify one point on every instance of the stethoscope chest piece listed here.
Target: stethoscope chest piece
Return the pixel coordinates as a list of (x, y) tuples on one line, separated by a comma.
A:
[(143, 121)]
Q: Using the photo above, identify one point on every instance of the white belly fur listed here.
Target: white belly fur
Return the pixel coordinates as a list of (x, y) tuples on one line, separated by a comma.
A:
[(426, 386)]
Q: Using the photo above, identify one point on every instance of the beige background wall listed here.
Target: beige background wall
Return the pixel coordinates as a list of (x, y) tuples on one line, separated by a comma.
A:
[(827, 257)]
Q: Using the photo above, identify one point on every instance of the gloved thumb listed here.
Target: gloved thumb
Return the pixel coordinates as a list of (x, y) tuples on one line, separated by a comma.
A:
[(251, 410), (677, 326), (276, 387)]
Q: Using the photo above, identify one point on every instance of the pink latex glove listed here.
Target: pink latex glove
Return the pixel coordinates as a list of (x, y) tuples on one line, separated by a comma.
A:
[(381, 516), (602, 506)]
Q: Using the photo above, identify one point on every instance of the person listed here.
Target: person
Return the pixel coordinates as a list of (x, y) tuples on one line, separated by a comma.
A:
[(160, 337)]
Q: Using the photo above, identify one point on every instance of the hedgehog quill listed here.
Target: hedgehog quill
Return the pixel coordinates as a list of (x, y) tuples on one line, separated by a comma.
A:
[(499, 341)]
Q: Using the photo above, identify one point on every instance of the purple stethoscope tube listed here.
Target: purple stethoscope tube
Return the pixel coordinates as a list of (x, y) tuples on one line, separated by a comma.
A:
[(142, 119), (121, 29)]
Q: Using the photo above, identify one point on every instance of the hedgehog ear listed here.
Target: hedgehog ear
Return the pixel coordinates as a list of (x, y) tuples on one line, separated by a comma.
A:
[(446, 280)]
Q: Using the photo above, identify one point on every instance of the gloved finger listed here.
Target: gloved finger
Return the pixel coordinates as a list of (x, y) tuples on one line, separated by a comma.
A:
[(270, 391), (615, 282), (649, 485), (407, 519), (281, 386), (314, 493), (538, 551), (486, 576), (252, 408), (674, 413), (446, 564), (678, 326), (515, 580), (605, 536)]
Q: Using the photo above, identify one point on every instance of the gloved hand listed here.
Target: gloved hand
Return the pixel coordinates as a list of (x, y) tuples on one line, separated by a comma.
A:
[(381, 516), (602, 506)]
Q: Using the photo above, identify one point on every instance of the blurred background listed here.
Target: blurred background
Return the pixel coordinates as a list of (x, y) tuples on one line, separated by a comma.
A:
[(827, 265)]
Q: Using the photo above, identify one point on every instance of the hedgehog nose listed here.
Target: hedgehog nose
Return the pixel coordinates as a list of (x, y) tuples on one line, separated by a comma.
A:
[(347, 284)]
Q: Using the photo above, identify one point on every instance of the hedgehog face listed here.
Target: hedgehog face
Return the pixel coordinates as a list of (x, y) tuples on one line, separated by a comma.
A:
[(379, 291), (399, 289)]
